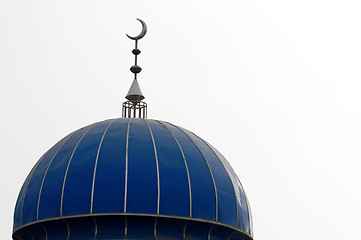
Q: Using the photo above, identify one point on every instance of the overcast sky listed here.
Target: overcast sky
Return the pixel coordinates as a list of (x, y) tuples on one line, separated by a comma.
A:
[(273, 85)]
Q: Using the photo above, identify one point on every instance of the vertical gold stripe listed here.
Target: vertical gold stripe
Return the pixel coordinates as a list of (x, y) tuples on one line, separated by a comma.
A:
[(27, 186), (249, 216), (95, 228), (184, 230), (31, 234), (209, 232), (46, 231), (186, 165), (126, 167), (125, 227), (46, 173), (67, 168), (96, 165), (157, 165), (221, 158), (67, 228), (155, 228), (230, 235), (209, 168)]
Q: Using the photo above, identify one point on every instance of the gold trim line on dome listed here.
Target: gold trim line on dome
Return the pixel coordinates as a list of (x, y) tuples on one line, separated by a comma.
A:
[(209, 168), (46, 173), (30, 176), (126, 167), (67, 168), (136, 215), (96, 165), (220, 156), (157, 165), (186, 165)]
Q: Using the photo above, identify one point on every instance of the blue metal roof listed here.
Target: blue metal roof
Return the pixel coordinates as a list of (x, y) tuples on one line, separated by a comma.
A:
[(133, 166)]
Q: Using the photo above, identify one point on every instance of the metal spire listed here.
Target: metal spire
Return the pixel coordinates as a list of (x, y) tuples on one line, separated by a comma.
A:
[(135, 108)]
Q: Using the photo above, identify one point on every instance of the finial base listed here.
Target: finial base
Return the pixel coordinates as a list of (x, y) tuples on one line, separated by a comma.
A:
[(134, 109)]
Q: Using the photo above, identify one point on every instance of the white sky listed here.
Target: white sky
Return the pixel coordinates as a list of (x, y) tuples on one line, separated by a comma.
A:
[(273, 85)]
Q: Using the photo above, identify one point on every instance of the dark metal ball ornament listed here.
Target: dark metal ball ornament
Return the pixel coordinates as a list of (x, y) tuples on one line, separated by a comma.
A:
[(136, 51), (135, 69), (142, 33)]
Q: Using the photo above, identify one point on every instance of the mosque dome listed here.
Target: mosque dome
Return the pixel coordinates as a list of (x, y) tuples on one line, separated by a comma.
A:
[(132, 168), (132, 178)]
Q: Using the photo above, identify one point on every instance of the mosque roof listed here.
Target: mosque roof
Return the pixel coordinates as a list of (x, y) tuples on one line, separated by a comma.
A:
[(129, 166), (132, 178)]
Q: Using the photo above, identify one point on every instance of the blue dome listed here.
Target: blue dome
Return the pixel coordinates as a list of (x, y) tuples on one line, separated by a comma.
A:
[(135, 167)]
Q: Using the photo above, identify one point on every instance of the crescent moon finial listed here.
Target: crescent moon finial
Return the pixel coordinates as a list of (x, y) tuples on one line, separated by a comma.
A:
[(142, 33)]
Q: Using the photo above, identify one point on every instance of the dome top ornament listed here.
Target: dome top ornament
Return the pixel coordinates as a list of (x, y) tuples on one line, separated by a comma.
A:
[(134, 107)]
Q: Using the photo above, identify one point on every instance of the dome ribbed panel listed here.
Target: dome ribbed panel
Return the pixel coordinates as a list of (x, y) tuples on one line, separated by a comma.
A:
[(80, 172), (173, 182), (226, 199), (35, 185), (142, 187), (244, 215), (20, 201), (201, 179), (133, 166), (109, 184), (50, 197)]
